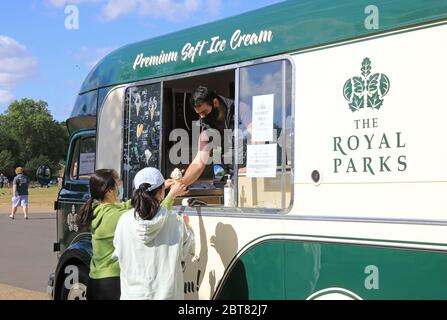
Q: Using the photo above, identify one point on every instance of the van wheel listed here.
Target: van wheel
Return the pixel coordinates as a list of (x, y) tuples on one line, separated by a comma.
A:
[(72, 287)]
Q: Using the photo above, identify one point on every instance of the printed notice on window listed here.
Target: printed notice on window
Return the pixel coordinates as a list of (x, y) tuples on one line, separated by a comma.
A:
[(262, 125), (87, 163), (261, 160)]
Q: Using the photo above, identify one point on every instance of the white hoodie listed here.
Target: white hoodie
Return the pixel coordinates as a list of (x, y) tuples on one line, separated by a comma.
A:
[(150, 253)]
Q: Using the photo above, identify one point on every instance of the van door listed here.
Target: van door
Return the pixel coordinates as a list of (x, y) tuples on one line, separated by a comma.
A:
[(75, 192)]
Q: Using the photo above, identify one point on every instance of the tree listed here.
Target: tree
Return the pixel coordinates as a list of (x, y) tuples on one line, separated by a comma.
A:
[(29, 132), (7, 142), (32, 165), (6, 163)]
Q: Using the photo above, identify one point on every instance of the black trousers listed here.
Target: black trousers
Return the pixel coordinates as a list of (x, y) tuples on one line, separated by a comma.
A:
[(104, 289)]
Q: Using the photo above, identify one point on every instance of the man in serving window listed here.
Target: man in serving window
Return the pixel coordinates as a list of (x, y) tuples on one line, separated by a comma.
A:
[(215, 113)]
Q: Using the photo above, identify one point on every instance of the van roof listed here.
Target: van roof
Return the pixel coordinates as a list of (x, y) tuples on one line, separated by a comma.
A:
[(294, 25)]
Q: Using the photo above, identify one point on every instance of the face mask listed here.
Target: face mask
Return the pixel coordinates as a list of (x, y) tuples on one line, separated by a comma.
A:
[(210, 120), (120, 193)]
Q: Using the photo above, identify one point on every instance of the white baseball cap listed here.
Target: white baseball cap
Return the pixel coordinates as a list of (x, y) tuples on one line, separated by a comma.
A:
[(151, 176)]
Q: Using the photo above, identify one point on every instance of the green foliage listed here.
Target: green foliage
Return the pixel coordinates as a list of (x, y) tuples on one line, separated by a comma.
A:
[(29, 132), (34, 163), (6, 163)]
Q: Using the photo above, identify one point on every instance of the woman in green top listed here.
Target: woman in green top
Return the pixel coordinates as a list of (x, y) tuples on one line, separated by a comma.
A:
[(101, 213)]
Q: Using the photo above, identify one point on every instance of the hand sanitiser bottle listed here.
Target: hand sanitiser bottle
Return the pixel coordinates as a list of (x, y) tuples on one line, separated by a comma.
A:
[(228, 192)]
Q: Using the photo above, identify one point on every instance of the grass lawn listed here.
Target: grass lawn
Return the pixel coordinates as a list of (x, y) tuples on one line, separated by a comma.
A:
[(40, 200)]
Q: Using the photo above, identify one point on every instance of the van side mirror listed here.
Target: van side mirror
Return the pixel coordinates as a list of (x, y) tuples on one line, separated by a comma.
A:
[(44, 175)]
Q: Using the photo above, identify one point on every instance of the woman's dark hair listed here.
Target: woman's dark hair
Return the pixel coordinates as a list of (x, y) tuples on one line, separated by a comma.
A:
[(202, 95), (145, 203), (101, 182)]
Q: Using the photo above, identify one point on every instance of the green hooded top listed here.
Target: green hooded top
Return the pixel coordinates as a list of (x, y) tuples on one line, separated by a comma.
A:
[(105, 218)]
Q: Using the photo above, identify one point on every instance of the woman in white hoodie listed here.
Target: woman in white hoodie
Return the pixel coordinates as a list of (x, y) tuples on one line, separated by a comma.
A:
[(151, 241)]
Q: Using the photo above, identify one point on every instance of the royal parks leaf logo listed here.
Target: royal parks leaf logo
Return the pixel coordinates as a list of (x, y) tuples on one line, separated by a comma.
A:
[(367, 90)]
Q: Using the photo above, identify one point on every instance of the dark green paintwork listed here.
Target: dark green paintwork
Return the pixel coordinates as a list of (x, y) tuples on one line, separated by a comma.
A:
[(296, 25), (280, 269), (73, 192)]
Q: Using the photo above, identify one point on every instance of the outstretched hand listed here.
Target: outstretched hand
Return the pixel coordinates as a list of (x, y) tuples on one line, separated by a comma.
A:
[(178, 189), (169, 183)]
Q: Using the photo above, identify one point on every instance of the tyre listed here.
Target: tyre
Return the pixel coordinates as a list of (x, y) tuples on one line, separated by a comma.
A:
[(74, 282)]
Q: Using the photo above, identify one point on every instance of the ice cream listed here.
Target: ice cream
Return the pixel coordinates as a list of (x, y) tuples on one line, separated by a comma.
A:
[(140, 129), (176, 174)]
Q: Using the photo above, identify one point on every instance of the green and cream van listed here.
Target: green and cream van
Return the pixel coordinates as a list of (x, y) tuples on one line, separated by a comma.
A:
[(340, 174)]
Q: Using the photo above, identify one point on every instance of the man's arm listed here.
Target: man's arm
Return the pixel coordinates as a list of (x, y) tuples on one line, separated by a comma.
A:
[(14, 190), (198, 165)]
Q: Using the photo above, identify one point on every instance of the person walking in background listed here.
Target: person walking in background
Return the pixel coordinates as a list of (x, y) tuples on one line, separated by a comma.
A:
[(2, 180), (151, 241), (20, 186)]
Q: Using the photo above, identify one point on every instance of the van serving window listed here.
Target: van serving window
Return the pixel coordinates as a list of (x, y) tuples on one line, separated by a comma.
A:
[(265, 123), (162, 129)]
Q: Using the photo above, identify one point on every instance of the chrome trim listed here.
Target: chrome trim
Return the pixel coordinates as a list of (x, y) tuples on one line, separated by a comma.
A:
[(160, 142), (236, 138), (282, 58), (273, 214), (79, 235), (283, 131), (292, 136), (50, 286), (126, 134), (72, 202)]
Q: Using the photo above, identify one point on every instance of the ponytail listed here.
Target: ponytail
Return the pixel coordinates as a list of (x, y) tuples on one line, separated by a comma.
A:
[(101, 182), (85, 215), (145, 203)]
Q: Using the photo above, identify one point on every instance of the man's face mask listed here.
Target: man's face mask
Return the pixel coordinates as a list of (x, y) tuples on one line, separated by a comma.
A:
[(211, 119)]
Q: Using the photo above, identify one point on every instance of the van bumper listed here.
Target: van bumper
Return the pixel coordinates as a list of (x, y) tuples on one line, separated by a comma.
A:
[(50, 286)]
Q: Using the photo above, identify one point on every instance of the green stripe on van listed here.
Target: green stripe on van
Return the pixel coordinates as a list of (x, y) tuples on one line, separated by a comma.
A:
[(288, 269)]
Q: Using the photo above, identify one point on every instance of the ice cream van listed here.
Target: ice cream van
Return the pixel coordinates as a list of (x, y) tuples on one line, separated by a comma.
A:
[(339, 176)]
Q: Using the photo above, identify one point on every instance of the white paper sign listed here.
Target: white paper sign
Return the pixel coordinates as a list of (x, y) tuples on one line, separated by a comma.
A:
[(262, 115), (261, 160), (87, 163)]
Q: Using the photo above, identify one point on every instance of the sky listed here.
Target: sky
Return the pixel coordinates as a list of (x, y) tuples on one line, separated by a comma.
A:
[(42, 59)]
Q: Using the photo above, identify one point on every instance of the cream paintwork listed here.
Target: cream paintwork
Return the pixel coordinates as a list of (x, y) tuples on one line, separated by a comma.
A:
[(109, 132), (417, 194), (415, 106)]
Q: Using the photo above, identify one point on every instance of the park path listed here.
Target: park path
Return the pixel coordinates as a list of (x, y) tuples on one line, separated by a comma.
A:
[(26, 255)]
